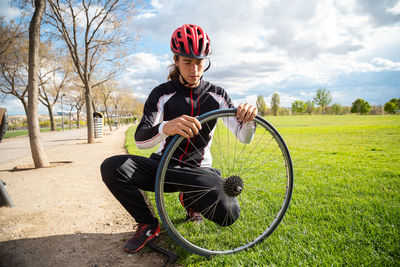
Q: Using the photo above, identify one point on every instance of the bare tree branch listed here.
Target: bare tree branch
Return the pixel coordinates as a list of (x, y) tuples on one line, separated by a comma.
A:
[(89, 42)]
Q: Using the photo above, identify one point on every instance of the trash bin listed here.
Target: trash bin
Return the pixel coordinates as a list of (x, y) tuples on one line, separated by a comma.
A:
[(98, 124)]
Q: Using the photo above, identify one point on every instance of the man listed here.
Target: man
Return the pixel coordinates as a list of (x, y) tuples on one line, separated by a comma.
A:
[(171, 109)]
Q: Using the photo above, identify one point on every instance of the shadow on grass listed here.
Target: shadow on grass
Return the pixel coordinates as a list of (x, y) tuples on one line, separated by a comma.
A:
[(80, 249)]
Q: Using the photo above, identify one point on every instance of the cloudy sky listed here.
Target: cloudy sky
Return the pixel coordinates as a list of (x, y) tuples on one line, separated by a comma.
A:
[(350, 47)]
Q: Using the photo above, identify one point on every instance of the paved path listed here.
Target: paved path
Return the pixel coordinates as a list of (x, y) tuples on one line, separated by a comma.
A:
[(17, 147), (64, 215)]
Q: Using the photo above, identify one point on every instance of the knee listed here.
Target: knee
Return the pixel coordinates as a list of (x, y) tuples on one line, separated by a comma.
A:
[(108, 170), (232, 211), (228, 212)]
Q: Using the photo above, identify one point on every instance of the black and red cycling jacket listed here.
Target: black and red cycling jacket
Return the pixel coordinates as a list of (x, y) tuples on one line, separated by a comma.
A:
[(171, 100)]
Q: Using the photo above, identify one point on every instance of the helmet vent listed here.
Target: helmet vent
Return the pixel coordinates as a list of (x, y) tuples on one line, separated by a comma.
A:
[(190, 41), (200, 45), (207, 48), (182, 45), (173, 45), (191, 45)]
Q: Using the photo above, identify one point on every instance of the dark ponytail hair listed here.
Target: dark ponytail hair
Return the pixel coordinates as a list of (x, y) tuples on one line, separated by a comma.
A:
[(173, 71)]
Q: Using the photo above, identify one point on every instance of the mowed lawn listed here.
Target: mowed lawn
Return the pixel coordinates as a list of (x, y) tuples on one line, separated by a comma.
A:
[(345, 208)]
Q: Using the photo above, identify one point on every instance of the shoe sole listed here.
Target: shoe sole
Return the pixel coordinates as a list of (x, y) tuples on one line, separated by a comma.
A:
[(188, 218)]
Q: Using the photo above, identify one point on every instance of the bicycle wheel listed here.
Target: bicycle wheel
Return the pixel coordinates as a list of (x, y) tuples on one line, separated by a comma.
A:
[(257, 175)]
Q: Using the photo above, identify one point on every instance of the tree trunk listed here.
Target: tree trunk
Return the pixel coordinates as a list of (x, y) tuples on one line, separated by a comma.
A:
[(78, 117), (108, 117), (22, 99), (52, 125), (89, 114), (38, 155), (70, 121)]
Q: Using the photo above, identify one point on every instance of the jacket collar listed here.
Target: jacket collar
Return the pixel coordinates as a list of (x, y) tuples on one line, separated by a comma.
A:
[(186, 90)]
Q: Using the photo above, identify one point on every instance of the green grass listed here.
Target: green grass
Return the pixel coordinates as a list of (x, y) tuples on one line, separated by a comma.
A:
[(345, 208), (11, 134)]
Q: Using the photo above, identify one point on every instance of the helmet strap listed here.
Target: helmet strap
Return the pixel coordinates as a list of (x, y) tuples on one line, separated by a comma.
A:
[(209, 65), (183, 79)]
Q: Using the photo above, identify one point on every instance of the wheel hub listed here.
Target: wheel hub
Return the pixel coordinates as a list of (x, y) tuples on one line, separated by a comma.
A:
[(233, 186)]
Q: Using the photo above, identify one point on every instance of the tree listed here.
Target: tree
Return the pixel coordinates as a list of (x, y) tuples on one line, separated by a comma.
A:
[(360, 106), (128, 105), (261, 106), (54, 74), (77, 98), (69, 101), (376, 110), (275, 102), (92, 31), (309, 107), (14, 65), (8, 35), (336, 109), (298, 106), (117, 101), (105, 92), (323, 98), (392, 105), (346, 109), (38, 155)]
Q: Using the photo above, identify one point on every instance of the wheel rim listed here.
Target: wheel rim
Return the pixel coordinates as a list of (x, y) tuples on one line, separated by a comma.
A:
[(259, 175)]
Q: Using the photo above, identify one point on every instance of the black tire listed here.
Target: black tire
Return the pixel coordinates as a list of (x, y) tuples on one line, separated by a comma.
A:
[(267, 174)]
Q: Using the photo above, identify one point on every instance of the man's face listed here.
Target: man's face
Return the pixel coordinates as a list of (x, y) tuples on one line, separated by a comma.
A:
[(191, 69)]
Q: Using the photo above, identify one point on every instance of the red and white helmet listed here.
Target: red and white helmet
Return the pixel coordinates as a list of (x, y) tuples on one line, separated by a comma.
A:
[(190, 41)]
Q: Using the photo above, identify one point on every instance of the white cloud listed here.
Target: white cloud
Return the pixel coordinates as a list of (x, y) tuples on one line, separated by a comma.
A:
[(251, 99), (265, 46), (386, 64), (269, 44), (145, 62), (13, 105), (146, 15), (285, 99), (7, 11), (156, 4), (145, 72), (395, 10)]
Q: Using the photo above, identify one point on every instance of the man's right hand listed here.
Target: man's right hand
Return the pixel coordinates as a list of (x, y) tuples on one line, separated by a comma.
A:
[(184, 125)]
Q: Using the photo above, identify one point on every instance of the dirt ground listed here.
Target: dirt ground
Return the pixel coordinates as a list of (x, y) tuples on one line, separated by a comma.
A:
[(64, 215)]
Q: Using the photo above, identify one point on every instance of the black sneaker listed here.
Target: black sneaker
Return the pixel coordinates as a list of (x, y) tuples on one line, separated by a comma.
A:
[(190, 214), (143, 234)]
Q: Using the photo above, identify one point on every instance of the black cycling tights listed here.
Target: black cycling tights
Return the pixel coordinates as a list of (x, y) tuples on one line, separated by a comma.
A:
[(124, 175)]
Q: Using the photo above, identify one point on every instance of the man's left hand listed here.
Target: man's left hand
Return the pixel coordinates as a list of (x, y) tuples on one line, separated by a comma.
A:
[(246, 112)]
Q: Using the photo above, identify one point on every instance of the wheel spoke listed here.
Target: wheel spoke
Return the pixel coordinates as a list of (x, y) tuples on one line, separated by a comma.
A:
[(263, 167), (254, 145), (197, 197), (212, 207), (190, 165), (264, 190), (263, 162), (217, 142)]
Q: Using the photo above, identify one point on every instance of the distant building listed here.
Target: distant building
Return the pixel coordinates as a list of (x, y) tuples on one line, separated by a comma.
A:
[(16, 119)]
